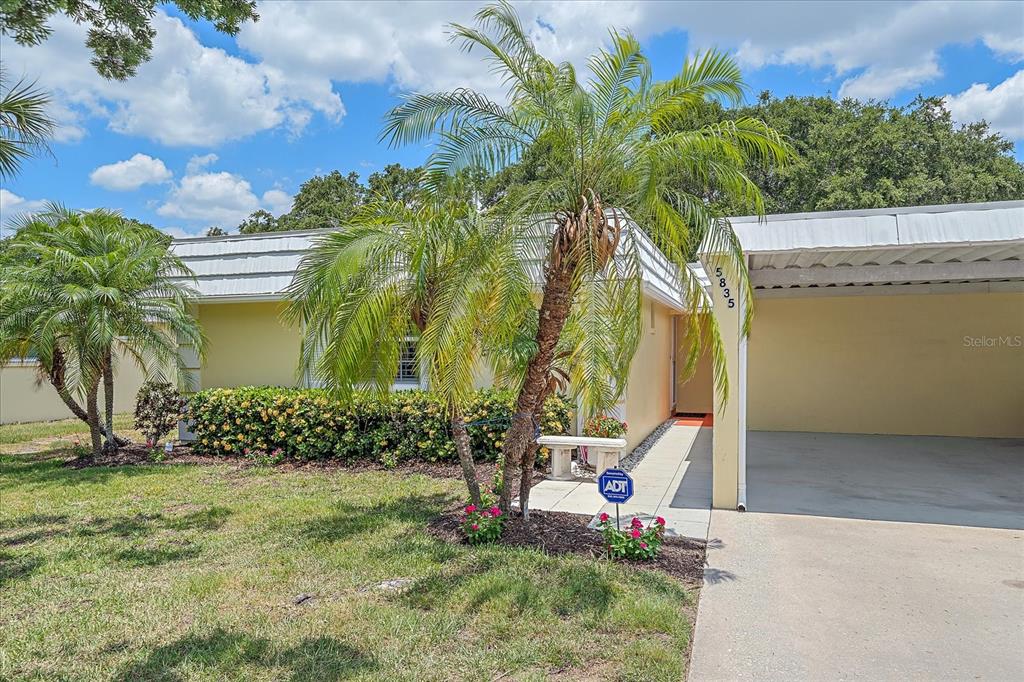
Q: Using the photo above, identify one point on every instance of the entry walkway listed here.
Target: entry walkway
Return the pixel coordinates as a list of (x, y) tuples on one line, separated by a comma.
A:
[(673, 481)]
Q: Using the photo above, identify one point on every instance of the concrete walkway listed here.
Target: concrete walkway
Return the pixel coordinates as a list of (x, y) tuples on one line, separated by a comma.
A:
[(673, 481)]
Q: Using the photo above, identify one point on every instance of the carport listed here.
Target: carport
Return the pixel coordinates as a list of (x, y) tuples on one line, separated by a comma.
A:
[(875, 332), (874, 433)]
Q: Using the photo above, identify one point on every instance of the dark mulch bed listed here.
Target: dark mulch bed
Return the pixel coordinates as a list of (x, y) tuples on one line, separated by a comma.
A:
[(137, 453), (562, 533)]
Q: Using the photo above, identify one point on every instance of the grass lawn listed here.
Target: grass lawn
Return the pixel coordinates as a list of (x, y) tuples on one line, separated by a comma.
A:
[(173, 572), (22, 437)]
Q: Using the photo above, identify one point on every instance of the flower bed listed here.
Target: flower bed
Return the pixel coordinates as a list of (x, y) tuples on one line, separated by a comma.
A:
[(309, 424)]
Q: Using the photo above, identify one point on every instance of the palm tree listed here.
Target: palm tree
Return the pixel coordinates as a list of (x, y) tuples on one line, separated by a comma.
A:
[(437, 272), (612, 140), (85, 288), (24, 125)]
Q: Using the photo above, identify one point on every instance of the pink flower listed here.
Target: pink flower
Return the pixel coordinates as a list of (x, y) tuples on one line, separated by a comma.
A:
[(643, 545), (660, 521), (603, 517), (495, 512), (470, 508), (636, 533), (475, 527), (636, 522)]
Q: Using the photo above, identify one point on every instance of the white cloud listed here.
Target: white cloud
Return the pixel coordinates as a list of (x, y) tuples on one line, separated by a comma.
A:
[(277, 201), (218, 198), (13, 206), (1002, 106), (876, 49), (178, 232), (198, 163), (191, 94), (222, 199), (131, 174), (187, 94)]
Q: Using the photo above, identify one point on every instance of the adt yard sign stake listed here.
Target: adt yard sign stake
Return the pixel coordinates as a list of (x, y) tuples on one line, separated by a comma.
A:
[(616, 486)]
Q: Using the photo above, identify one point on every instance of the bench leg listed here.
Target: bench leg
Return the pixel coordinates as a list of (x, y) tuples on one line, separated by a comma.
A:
[(606, 459), (561, 464)]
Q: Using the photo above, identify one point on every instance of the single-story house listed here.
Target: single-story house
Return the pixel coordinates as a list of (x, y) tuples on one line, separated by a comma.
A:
[(882, 321)]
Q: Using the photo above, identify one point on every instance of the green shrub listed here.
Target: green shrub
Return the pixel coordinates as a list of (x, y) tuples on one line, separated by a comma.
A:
[(309, 424), (158, 407)]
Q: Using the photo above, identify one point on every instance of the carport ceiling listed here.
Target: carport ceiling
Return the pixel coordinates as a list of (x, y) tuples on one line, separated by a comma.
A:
[(999, 262)]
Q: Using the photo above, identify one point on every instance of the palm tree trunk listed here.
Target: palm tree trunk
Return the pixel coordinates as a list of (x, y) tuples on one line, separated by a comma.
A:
[(526, 479), (554, 310), (462, 447), (108, 398), (93, 411), (55, 375)]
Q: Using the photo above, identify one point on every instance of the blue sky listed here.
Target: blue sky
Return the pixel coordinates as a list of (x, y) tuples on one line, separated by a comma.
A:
[(215, 127)]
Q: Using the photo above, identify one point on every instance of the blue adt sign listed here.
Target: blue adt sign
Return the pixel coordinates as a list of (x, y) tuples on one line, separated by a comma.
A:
[(615, 485)]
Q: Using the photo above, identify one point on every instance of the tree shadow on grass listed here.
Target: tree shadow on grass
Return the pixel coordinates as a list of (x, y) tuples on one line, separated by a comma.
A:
[(223, 653), (495, 580), (135, 539), (351, 520), (22, 473), (15, 567)]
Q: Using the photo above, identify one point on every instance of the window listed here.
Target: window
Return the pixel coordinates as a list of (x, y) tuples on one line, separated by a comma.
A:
[(408, 367)]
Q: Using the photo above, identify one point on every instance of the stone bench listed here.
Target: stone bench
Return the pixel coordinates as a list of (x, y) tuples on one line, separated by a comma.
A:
[(607, 452)]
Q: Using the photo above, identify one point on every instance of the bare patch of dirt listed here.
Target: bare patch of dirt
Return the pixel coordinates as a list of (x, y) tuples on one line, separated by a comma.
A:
[(562, 533)]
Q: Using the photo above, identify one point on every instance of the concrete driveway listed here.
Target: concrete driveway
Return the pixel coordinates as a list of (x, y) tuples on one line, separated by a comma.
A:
[(868, 557)]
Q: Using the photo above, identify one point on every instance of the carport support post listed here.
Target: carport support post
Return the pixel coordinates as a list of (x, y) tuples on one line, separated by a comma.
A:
[(730, 427)]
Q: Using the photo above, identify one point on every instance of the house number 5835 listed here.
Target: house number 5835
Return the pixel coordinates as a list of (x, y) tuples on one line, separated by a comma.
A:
[(723, 284)]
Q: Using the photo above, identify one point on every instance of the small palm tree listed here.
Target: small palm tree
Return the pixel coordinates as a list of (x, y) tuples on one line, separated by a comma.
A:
[(613, 140), (82, 290), (438, 272), (25, 126)]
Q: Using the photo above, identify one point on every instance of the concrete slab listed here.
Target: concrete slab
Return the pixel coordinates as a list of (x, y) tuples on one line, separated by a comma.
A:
[(868, 558), (922, 479), (791, 597), (583, 500)]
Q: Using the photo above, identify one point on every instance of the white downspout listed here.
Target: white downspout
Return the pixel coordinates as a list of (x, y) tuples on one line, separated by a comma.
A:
[(741, 477)]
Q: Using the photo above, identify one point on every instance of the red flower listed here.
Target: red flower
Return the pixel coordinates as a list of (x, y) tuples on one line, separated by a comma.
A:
[(660, 521), (470, 508), (636, 522), (495, 512), (636, 533), (643, 545), (603, 517), (475, 527)]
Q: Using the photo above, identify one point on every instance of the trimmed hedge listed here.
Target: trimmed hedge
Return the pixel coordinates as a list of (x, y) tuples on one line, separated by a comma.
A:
[(309, 424)]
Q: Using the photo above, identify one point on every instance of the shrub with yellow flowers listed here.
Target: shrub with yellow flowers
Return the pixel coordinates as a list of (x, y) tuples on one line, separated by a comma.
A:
[(309, 424)]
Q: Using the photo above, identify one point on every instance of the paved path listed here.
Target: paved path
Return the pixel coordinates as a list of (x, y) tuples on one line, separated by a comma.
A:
[(673, 481)]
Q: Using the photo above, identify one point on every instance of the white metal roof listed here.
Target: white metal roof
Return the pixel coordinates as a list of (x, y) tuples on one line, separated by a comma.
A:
[(261, 266), (928, 244)]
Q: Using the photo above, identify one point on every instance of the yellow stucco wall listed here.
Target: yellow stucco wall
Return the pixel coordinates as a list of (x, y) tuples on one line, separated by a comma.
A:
[(696, 394), (22, 401), (649, 393), (889, 364), (248, 344)]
